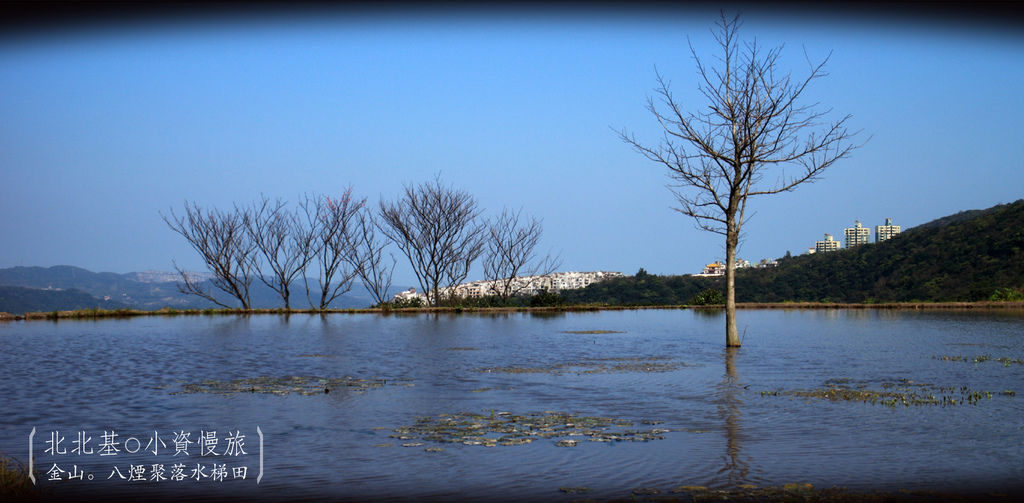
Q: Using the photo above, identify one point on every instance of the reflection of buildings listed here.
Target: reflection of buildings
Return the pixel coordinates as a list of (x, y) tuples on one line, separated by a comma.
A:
[(856, 235), (887, 231), (828, 245)]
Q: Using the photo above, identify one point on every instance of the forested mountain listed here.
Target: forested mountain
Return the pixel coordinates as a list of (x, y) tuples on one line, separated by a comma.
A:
[(20, 300), (961, 257)]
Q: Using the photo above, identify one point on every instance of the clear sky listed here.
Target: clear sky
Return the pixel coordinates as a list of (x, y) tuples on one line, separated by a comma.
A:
[(102, 129)]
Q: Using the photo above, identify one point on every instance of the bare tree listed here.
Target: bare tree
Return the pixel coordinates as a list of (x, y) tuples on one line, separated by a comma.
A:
[(284, 242), (367, 257), (438, 230), (511, 262), (332, 223), (740, 143), (221, 240)]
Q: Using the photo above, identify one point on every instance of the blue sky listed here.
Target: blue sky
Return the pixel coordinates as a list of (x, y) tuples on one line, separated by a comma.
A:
[(103, 129)]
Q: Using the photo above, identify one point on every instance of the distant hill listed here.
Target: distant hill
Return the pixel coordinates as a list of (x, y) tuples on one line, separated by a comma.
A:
[(147, 290), (962, 257), (20, 300)]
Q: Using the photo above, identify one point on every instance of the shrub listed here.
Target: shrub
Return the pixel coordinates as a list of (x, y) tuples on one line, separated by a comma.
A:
[(1007, 295), (410, 302), (544, 298), (709, 297)]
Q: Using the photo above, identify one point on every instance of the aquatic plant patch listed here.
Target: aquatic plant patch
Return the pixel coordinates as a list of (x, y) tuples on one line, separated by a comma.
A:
[(596, 366), (592, 332), (301, 385), (900, 392), (506, 429), (1005, 360)]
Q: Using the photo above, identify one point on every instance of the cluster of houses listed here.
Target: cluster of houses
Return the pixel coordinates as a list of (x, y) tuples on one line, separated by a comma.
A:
[(524, 285), (717, 268)]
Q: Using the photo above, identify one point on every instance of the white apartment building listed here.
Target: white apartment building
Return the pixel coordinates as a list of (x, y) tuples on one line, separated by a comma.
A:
[(828, 245), (856, 235), (887, 231)]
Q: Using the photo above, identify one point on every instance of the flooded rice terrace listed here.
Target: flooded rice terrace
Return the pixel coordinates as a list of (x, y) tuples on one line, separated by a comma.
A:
[(548, 406)]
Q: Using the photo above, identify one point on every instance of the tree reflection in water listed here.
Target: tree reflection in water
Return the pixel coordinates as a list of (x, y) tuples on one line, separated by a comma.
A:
[(729, 391)]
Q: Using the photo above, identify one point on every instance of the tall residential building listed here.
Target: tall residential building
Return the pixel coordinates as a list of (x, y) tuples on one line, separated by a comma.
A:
[(827, 245), (857, 235), (883, 232)]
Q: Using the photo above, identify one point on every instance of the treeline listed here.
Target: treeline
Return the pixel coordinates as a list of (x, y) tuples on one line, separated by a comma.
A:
[(971, 256), (18, 300), (643, 289), (326, 243)]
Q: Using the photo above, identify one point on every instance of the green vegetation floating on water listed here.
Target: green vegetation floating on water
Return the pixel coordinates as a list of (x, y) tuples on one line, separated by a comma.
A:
[(592, 332), (1005, 360), (596, 366), (301, 385), (893, 393), (574, 490), (505, 429)]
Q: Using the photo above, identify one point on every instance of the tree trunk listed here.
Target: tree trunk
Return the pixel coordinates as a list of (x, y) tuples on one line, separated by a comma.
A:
[(732, 337)]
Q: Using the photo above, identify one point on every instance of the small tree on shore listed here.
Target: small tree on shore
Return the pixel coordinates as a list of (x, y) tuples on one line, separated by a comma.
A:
[(739, 144), (511, 263), (221, 239), (367, 257), (332, 222), (285, 244), (437, 228)]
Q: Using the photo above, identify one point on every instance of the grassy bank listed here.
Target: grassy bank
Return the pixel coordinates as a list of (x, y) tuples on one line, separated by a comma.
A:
[(14, 482), (81, 314)]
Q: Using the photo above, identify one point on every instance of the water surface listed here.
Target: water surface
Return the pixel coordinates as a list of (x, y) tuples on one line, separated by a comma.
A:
[(122, 375)]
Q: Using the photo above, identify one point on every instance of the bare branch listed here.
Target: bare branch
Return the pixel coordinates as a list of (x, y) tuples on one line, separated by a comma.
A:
[(332, 224), (437, 228), (285, 244), (221, 240), (367, 257), (511, 263)]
